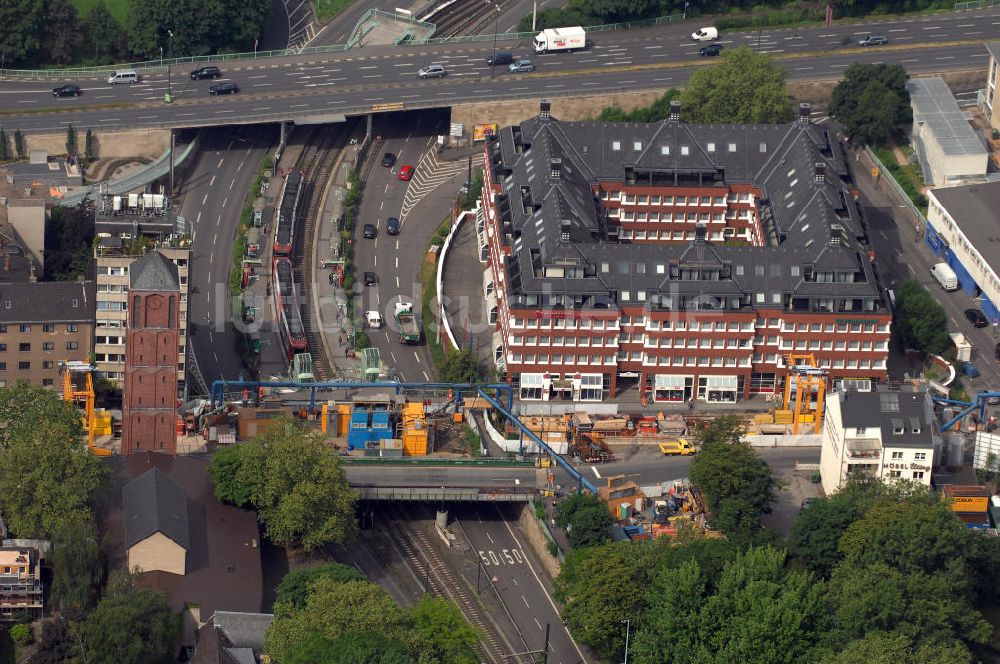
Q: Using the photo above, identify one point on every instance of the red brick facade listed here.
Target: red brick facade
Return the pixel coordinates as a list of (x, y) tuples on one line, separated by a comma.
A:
[(150, 394)]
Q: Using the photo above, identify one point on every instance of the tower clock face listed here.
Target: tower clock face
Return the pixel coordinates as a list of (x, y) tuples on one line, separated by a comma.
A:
[(155, 303)]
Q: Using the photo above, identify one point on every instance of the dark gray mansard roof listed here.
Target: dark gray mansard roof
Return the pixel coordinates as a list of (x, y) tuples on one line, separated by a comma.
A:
[(807, 220)]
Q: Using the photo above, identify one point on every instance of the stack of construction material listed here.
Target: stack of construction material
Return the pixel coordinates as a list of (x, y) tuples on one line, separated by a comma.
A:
[(970, 502)]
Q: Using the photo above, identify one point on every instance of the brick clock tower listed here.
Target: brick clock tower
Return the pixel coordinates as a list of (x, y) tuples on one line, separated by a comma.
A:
[(149, 402)]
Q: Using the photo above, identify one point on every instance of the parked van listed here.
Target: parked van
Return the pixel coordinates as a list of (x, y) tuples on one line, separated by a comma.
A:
[(705, 34), (945, 276), (123, 76)]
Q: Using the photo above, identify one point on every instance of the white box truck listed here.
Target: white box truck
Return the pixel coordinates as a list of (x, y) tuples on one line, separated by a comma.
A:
[(560, 39), (945, 276)]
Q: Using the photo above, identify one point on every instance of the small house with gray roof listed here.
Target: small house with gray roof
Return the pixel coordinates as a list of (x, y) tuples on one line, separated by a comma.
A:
[(685, 260)]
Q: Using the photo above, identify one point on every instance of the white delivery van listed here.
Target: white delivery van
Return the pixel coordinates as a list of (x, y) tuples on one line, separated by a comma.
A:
[(374, 319), (705, 34), (123, 76), (945, 276)]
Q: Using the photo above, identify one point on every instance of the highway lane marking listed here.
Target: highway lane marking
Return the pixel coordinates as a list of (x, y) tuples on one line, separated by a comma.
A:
[(397, 281), (416, 356), (523, 599), (211, 256), (397, 257), (225, 200), (146, 117), (257, 76), (198, 218), (218, 221), (897, 29), (215, 238), (596, 472), (262, 108), (205, 200), (391, 354), (240, 167), (426, 377)]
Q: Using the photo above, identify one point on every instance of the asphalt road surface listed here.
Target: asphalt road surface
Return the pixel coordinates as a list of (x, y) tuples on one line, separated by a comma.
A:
[(212, 196), (328, 85), (510, 567)]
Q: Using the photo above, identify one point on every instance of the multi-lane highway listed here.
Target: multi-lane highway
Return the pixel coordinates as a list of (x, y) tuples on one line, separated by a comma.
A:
[(420, 204), (213, 194), (332, 84)]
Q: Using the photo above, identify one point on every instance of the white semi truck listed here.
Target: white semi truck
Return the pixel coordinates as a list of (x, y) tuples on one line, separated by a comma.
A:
[(560, 39)]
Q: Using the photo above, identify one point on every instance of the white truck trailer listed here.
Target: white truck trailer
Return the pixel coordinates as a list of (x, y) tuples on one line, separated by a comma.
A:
[(560, 39)]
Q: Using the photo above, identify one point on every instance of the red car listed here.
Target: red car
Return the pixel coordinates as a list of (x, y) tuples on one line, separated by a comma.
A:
[(405, 173)]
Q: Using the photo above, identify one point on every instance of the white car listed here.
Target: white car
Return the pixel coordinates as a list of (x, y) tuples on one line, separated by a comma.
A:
[(374, 319), (432, 71), (705, 34)]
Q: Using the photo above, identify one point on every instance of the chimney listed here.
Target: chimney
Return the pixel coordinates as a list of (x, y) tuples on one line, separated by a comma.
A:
[(630, 173), (699, 233), (675, 111), (836, 234), (819, 172), (564, 230), (805, 110), (544, 110), (555, 169)]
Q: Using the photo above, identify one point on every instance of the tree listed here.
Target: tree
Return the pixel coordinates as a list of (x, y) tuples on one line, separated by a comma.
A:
[(460, 366), (872, 101), (586, 519), (71, 146), (350, 648), (105, 33), (745, 88), (331, 610), (62, 31), (658, 111), (738, 485), (920, 319), (198, 27), (4, 146), (224, 469), (69, 237), (61, 640), (129, 626), (21, 633), (77, 564), (440, 630), (19, 144), (89, 147), (758, 613), (47, 474), (877, 646), (295, 482), (601, 586), (294, 588), (20, 40)]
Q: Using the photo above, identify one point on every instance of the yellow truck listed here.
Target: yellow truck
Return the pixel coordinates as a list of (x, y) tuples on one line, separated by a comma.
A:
[(677, 447)]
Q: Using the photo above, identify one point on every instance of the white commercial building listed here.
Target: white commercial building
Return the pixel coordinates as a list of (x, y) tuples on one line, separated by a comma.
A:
[(949, 149), (887, 433)]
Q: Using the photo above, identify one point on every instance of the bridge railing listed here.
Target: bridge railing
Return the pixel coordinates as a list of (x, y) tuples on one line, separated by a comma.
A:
[(976, 4), (418, 461)]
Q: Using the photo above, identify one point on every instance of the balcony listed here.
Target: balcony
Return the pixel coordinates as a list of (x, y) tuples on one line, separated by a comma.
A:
[(863, 449)]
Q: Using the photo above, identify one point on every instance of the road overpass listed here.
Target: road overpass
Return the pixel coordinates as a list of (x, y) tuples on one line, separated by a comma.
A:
[(328, 86), (478, 480)]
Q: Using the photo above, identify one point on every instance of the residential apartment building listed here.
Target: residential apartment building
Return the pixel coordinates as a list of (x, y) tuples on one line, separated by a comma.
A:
[(41, 325), (114, 256), (687, 260), (20, 583), (991, 104), (949, 149), (887, 434)]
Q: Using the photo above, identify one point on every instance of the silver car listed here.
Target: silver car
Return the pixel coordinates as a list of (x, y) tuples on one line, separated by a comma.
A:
[(520, 66), (432, 71)]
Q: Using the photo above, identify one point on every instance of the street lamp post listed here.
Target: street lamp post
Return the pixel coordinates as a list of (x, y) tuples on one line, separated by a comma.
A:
[(760, 24), (496, 34), (628, 625), (170, 54)]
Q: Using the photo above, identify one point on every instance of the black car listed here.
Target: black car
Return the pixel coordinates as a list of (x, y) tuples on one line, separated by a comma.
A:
[(371, 278), (392, 226), (501, 58), (710, 51), (976, 317), (224, 89), (66, 91), (205, 72), (996, 351), (370, 231), (388, 160)]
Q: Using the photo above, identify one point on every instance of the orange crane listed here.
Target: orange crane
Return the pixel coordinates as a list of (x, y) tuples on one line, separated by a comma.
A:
[(82, 395), (809, 383)]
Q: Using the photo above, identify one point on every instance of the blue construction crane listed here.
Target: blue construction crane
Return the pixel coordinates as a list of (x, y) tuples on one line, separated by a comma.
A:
[(979, 402)]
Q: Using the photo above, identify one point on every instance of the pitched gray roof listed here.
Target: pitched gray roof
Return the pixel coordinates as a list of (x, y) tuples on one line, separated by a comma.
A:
[(155, 503), (551, 216), (244, 630), (153, 272), (48, 302), (935, 105), (907, 412)]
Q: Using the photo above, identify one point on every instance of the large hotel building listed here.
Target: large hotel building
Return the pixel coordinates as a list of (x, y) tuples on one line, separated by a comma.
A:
[(690, 260)]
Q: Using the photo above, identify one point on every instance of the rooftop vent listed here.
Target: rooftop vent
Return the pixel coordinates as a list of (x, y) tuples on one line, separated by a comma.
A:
[(699, 233), (675, 111), (819, 172), (564, 229), (545, 109), (805, 110), (836, 234), (555, 168)]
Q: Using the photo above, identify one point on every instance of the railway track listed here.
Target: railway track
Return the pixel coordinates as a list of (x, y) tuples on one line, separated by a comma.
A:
[(441, 581), (462, 17), (317, 163)]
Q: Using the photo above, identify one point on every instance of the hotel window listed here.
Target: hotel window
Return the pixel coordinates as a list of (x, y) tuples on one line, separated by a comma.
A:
[(25, 328), (48, 345)]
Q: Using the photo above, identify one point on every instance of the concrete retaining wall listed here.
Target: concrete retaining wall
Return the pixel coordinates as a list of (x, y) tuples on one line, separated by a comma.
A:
[(810, 440), (148, 143), (539, 539), (543, 408), (514, 446)]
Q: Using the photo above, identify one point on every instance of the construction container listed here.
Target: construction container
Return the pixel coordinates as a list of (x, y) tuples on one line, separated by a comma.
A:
[(343, 420), (967, 499), (416, 433), (102, 423)]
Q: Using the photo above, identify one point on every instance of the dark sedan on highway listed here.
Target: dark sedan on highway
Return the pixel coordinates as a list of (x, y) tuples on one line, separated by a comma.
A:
[(976, 317), (388, 160), (224, 89), (66, 91), (710, 51), (205, 72)]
